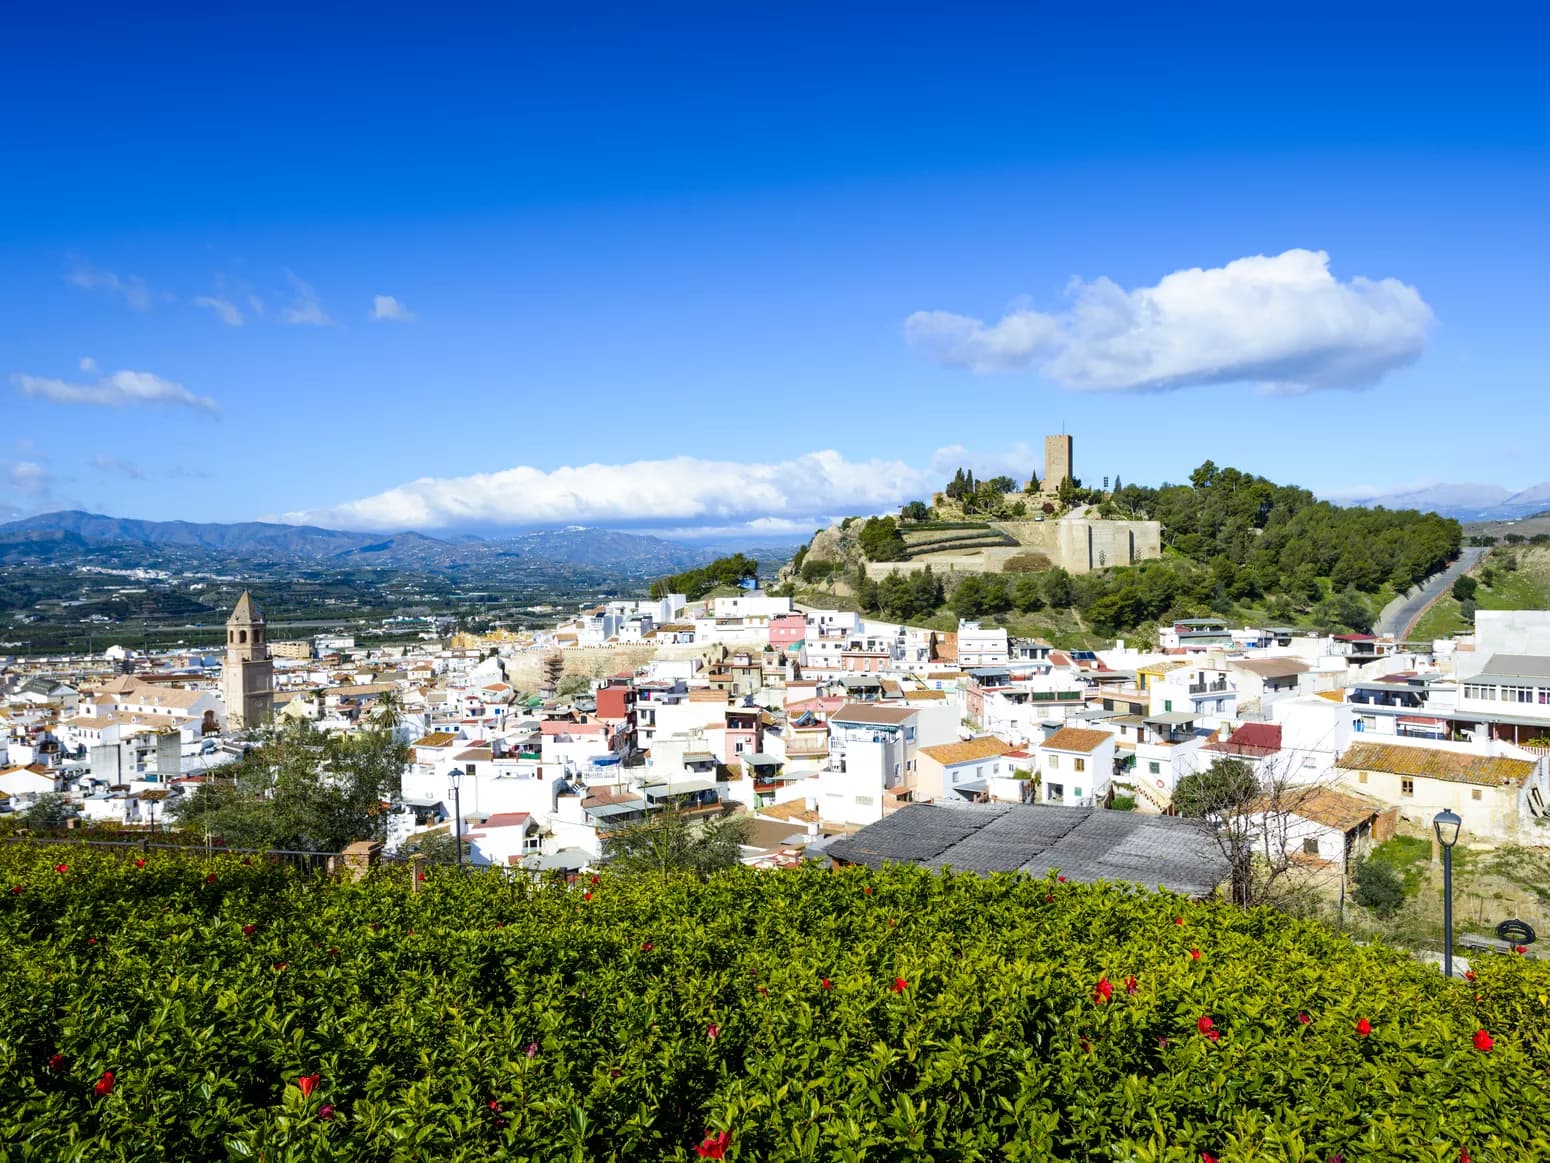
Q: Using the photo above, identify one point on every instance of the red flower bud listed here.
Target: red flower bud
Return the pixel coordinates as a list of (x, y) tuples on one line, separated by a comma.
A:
[(1520, 948), (899, 985), (249, 930), (1469, 975), (61, 868), (827, 984), (307, 1083), (1061, 879), (867, 890), (1484, 1041), (16, 890), (1194, 954), (1049, 898), (139, 862), (596, 879), (56, 1062), (1130, 986), (326, 1113), (210, 878), (1178, 920), (104, 1084), (1204, 1024), (646, 948), (1363, 1027), (279, 965), (586, 896), (713, 1031), (1304, 1018)]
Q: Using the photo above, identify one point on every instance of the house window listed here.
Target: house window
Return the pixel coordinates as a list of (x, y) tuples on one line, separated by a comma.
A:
[(864, 801), (1154, 768), (1054, 763), (1076, 793), (1081, 765), (1054, 793), (1167, 706), (1474, 793), (1407, 787), (1310, 846), (470, 770)]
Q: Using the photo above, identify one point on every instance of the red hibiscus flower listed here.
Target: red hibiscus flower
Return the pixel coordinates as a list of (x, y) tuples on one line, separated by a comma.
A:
[(1178, 920), (1464, 1155), (596, 879), (104, 1084), (1061, 879), (210, 878), (307, 1083), (868, 891), (1484, 1041), (646, 948), (61, 868), (326, 1113), (586, 896), (1103, 992), (1194, 954), (495, 1106), (1304, 1019), (714, 1146), (16, 890), (139, 862), (1363, 1027), (713, 1031), (827, 984), (1520, 948), (248, 860), (1207, 1157), (899, 985), (1469, 975), (56, 1062), (1162, 1042), (532, 1050), (1049, 898), (249, 930), (1204, 1024), (1130, 986)]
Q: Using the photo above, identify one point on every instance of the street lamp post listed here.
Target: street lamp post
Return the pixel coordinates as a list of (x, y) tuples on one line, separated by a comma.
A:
[(1446, 824), (455, 781)]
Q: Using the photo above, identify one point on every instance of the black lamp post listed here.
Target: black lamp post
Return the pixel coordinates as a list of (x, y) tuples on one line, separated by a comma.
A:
[(455, 782), (1446, 824)]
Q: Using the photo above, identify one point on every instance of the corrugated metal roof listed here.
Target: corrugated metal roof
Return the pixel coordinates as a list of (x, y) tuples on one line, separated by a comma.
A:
[(1083, 844)]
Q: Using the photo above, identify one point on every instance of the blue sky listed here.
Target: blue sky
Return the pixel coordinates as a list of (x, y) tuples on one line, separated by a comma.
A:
[(760, 267)]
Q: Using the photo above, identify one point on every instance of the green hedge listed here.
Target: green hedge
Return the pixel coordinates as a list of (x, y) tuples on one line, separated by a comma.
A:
[(813, 1015)]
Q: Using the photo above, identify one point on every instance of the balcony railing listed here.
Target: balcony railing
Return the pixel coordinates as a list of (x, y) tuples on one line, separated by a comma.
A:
[(1208, 688)]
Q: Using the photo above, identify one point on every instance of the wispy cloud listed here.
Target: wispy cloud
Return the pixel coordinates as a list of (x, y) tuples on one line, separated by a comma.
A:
[(113, 466), (30, 478), (304, 308), (131, 288), (1282, 321), (119, 390), (225, 310), (385, 308)]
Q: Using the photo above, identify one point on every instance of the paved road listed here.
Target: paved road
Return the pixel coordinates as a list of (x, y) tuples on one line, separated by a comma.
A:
[(1406, 608)]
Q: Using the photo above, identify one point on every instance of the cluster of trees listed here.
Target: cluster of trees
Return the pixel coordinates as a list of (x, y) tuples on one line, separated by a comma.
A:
[(900, 597), (988, 496), (301, 789), (1262, 538), (696, 583), (880, 540)]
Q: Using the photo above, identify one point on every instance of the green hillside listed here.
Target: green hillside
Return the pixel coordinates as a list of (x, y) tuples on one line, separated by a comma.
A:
[(192, 1010), (1234, 545)]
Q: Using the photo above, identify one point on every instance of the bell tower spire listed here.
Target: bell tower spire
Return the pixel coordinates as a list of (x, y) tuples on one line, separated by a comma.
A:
[(248, 676)]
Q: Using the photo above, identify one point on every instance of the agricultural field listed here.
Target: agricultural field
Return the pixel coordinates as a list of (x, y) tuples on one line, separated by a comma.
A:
[(163, 1007)]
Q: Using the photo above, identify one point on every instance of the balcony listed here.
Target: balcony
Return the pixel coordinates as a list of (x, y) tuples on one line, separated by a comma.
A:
[(1209, 688)]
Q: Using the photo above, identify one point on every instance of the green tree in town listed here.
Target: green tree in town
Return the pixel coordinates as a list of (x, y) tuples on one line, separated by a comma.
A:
[(676, 841), (1379, 888)]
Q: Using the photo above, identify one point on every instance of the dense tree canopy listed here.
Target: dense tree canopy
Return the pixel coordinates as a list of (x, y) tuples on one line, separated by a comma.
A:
[(696, 583)]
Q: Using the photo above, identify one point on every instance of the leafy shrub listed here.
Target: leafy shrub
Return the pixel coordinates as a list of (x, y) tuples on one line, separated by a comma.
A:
[(811, 1015), (1379, 888)]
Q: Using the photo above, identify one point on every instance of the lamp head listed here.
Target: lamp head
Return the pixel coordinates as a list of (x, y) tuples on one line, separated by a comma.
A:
[(455, 778), (1447, 825)]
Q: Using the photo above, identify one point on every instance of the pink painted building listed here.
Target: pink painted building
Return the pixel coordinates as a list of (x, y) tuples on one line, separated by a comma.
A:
[(788, 631)]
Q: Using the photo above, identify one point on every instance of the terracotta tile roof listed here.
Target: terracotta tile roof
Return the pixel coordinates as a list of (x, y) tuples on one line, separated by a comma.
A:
[(1322, 805), (1434, 763), (1076, 739), (1252, 739), (873, 713), (507, 820), (925, 696), (969, 751)]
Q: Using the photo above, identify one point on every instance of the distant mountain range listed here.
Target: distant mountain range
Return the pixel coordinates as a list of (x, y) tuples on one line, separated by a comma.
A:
[(1464, 502), (73, 537)]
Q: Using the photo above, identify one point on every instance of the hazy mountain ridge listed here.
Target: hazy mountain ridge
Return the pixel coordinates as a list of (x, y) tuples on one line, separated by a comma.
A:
[(1465, 502), (75, 537)]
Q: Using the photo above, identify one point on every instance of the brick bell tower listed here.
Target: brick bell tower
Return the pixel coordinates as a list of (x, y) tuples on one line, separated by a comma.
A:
[(247, 679)]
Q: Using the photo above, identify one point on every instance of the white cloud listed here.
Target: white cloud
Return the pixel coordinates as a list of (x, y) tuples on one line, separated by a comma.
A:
[(118, 390), (28, 477), (132, 288), (387, 308), (700, 493), (227, 311), (255, 304), (305, 307), (1018, 461), (88, 364), (1281, 321)]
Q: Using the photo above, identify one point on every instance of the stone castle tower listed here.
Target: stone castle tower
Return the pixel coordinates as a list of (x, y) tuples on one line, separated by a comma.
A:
[(1057, 461), (247, 679)]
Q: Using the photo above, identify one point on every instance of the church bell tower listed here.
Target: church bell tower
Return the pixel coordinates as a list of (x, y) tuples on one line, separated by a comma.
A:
[(247, 679)]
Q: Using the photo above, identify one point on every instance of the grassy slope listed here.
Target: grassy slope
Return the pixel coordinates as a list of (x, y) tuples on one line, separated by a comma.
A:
[(1525, 588)]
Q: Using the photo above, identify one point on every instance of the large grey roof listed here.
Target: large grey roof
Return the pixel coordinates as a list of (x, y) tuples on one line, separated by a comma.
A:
[(1508, 668), (1083, 844)]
